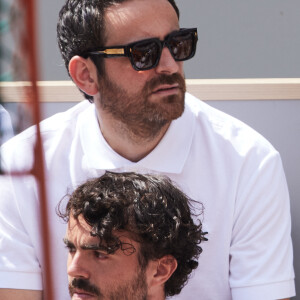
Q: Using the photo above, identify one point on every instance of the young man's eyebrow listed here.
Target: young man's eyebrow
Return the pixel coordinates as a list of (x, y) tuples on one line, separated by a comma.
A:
[(69, 244), (92, 247)]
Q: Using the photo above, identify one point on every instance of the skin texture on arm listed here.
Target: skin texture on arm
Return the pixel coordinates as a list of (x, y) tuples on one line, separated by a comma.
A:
[(11, 294)]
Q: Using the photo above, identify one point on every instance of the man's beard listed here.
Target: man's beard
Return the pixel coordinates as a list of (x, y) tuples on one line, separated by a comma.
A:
[(135, 289), (140, 116)]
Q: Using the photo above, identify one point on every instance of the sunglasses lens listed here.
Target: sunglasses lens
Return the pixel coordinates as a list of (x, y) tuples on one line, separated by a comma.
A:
[(182, 46), (145, 55)]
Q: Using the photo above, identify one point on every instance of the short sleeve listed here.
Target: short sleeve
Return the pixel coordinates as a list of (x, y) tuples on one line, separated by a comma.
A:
[(261, 255)]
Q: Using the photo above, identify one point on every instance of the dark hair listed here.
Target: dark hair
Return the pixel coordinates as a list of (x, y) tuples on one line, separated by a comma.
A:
[(156, 213), (81, 27)]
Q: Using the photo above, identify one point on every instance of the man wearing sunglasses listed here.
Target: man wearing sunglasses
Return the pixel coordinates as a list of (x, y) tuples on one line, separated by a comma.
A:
[(126, 56)]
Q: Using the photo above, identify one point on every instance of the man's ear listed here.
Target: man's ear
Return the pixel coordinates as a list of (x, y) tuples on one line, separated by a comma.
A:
[(84, 74), (163, 270)]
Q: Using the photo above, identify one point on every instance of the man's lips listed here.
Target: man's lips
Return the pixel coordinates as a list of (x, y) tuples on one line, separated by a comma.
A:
[(82, 294), (166, 88)]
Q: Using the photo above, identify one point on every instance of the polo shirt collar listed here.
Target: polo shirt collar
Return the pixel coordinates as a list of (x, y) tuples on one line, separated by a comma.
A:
[(169, 155)]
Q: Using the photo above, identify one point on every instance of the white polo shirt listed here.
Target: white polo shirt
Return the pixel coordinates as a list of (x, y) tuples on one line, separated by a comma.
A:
[(213, 158)]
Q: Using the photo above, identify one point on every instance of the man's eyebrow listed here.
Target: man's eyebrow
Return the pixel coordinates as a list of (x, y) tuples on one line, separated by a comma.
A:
[(69, 244), (92, 247)]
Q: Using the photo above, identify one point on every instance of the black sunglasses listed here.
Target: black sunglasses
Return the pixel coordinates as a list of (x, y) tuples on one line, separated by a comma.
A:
[(145, 54)]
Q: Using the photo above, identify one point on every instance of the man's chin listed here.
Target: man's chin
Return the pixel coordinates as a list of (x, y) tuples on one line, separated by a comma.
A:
[(172, 107)]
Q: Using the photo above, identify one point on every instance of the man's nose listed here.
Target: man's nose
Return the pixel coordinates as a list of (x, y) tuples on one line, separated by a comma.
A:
[(77, 267), (167, 63)]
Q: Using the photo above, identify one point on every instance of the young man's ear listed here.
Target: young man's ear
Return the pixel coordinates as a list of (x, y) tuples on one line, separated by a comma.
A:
[(162, 270), (84, 74)]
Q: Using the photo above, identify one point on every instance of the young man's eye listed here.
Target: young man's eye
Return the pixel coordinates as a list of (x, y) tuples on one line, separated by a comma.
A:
[(101, 255)]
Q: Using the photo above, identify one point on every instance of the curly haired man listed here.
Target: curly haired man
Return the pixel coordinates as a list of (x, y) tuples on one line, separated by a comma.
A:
[(130, 236)]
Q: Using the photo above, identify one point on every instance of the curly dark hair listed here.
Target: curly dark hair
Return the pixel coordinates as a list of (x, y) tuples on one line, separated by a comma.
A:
[(155, 212), (81, 27)]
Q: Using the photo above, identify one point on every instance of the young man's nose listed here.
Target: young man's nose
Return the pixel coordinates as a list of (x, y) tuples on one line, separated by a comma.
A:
[(167, 63), (77, 267)]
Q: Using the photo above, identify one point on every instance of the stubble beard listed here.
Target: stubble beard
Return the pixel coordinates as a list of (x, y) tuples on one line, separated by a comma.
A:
[(138, 116), (135, 289)]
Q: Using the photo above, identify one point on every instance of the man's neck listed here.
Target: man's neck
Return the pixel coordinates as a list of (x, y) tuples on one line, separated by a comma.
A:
[(125, 142)]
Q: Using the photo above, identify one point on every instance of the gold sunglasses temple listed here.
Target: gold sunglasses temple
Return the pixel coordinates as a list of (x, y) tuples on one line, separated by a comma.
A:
[(112, 51)]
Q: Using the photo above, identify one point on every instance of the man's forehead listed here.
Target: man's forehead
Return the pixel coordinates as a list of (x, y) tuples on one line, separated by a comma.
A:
[(138, 19), (78, 224), (79, 232)]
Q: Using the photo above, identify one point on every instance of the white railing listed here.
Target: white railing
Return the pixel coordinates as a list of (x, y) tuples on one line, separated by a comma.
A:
[(204, 89)]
